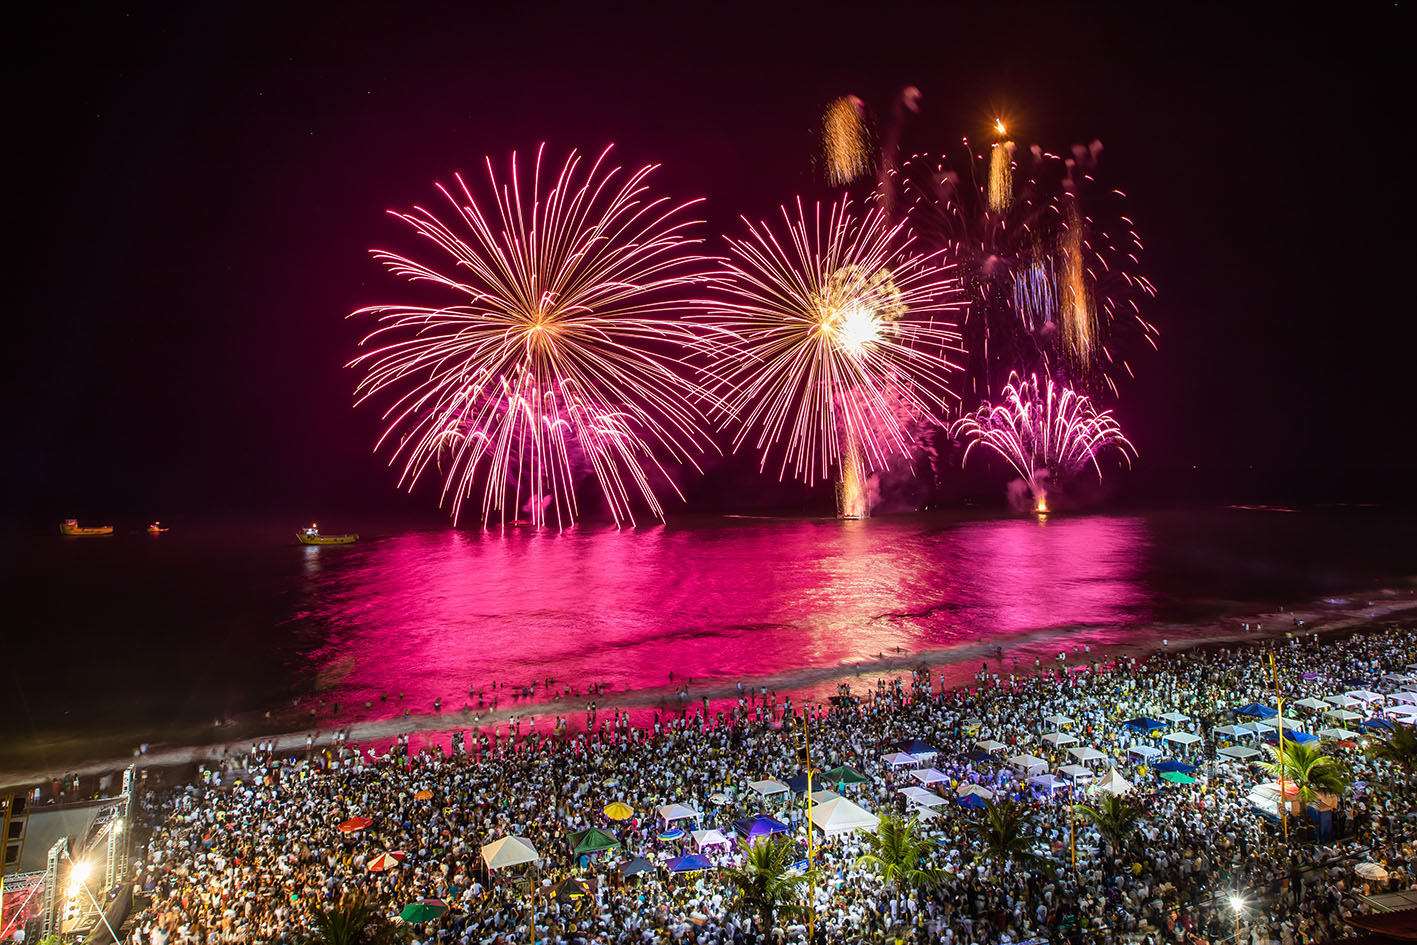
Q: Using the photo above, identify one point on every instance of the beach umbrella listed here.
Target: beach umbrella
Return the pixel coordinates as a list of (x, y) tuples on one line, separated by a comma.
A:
[(592, 840), (687, 864), (841, 774), (354, 824), (386, 861), (635, 866), (423, 795), (719, 798), (619, 810), (569, 889), (424, 910), (1177, 777), (1371, 871), (673, 834), (508, 851)]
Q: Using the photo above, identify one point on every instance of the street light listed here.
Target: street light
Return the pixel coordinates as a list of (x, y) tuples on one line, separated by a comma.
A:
[(1237, 902)]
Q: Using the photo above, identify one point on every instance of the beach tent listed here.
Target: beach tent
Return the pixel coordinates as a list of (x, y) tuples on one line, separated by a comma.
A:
[(1059, 739), (1182, 738), (1028, 763), (1176, 718), (1086, 754), (974, 790), (1143, 724), (1047, 782), (751, 828), (672, 812), (688, 864), (899, 759), (1112, 783), (768, 787), (1309, 702), (1144, 752), (1339, 734), (917, 748), (929, 776), (1058, 721), (991, 746), (824, 795), (1238, 752), (1164, 766), (508, 851), (841, 816), (1076, 772), (1256, 710), (918, 795), (1365, 695), (710, 838)]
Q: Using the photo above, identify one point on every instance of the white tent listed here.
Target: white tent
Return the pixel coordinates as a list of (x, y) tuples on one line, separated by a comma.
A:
[(899, 759), (1047, 782), (1146, 752), (965, 790), (1309, 702), (929, 776), (710, 838), (1181, 738), (1233, 731), (1028, 763), (1339, 734), (508, 851), (1399, 678), (768, 786), (1058, 721), (1403, 696), (1342, 700), (1076, 772), (1365, 695), (1176, 718), (1404, 713), (1343, 715), (1112, 782), (1238, 752), (1059, 739), (924, 813), (918, 795), (990, 746), (841, 816), (672, 812), (1086, 754), (821, 797)]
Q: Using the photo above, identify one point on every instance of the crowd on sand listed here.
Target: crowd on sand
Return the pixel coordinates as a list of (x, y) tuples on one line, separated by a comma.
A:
[(248, 850)]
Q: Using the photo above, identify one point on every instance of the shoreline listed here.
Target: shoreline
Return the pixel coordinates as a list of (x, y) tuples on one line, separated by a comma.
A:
[(1380, 610)]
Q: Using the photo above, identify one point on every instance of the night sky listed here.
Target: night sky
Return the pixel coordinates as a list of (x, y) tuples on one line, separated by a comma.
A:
[(193, 194)]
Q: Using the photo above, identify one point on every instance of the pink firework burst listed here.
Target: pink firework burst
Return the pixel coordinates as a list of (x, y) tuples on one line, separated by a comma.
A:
[(554, 358)]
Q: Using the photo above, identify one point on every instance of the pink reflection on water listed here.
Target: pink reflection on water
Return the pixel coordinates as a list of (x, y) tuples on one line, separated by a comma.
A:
[(430, 613)]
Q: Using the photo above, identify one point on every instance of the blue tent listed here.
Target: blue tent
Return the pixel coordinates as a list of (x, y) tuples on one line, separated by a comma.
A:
[(688, 864), (1143, 724), (915, 746), (973, 801), (751, 828), (1380, 724), (1257, 710), (978, 755), (799, 784), (1291, 735), (1161, 767)]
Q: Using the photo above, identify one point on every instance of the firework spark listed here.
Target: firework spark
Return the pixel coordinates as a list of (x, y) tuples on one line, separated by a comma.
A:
[(846, 140), (1047, 433), (822, 340), (556, 351)]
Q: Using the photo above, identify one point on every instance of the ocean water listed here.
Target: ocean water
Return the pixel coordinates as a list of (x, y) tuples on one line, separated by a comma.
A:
[(136, 638)]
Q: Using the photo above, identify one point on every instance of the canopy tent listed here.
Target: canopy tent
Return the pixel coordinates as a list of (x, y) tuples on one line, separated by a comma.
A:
[(929, 776), (1164, 766), (1238, 752), (1401, 679), (918, 795), (1181, 738), (1086, 754), (1342, 700), (1365, 695), (841, 816), (824, 795), (1257, 711), (710, 838), (751, 828), (1176, 718), (1403, 696), (798, 782), (1058, 721), (1076, 772), (1112, 783), (592, 840), (841, 774), (924, 813), (1028, 763), (917, 748), (972, 801), (1401, 712), (768, 786), (1381, 725), (1234, 731), (1145, 752), (1177, 777), (991, 746), (1303, 738), (1143, 724), (1339, 735), (1309, 702), (634, 866), (974, 790), (688, 864), (508, 851), (669, 813), (1059, 739), (1047, 782), (1343, 715), (899, 759)]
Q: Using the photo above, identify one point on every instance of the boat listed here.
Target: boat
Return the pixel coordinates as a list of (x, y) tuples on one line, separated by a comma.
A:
[(72, 528), (312, 536), (156, 528)]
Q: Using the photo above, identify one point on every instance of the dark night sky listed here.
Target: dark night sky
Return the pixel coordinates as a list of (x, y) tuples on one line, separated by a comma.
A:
[(194, 192)]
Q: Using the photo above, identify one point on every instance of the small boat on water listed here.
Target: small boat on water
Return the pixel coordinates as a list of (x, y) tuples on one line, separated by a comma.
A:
[(72, 528), (312, 536), (156, 528)]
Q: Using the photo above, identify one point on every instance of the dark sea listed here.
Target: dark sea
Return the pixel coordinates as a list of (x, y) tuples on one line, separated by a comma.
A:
[(135, 638)]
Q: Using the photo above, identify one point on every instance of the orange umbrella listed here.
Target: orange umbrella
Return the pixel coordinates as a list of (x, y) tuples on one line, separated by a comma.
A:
[(386, 861), (423, 795), (355, 823)]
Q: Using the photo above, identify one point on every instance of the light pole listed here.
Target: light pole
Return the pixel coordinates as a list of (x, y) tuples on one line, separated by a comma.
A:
[(1237, 903)]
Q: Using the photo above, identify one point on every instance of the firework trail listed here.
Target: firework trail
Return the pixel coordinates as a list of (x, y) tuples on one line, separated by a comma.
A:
[(906, 103), (1048, 260), (823, 335), (846, 140), (1047, 433), (555, 351)]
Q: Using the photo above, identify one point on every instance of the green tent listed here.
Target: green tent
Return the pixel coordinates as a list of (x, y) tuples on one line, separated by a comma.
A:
[(592, 840), (841, 774), (1178, 777)]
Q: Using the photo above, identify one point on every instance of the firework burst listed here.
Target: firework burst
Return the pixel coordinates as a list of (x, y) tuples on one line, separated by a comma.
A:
[(846, 140), (1047, 433), (554, 356), (826, 342)]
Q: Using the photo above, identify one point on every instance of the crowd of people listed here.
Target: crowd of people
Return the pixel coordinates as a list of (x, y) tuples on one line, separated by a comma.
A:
[(253, 846)]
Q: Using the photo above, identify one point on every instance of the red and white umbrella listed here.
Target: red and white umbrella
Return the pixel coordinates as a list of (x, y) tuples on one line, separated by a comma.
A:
[(386, 861)]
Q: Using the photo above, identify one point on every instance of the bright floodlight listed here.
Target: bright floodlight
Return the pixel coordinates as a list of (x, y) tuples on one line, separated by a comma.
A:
[(1237, 903), (80, 873)]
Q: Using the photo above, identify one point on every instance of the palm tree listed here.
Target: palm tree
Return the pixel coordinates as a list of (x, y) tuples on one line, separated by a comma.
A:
[(763, 885), (1310, 771), (999, 836), (895, 851), (1114, 816), (1398, 749), (354, 920)]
